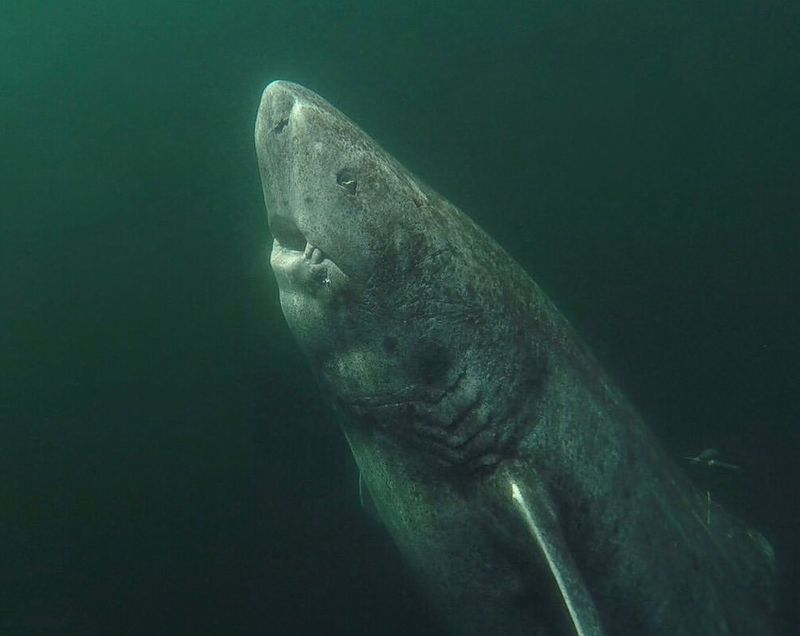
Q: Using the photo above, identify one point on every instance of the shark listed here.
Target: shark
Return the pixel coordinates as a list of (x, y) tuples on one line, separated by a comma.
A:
[(516, 479)]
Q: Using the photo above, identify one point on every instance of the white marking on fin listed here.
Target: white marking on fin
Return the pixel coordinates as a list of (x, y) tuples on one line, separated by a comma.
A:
[(584, 619)]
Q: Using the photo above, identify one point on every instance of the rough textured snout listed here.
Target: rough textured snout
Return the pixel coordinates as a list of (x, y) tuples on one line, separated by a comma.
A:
[(274, 111)]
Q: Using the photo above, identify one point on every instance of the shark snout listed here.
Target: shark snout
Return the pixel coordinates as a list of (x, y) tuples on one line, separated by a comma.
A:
[(283, 104), (314, 166), (287, 143), (275, 156), (275, 110)]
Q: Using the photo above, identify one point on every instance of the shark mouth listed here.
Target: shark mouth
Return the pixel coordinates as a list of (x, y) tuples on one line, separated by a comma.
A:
[(314, 254), (297, 263), (289, 237), (287, 234)]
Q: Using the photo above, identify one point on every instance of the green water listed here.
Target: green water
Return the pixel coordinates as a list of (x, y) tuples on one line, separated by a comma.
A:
[(165, 467)]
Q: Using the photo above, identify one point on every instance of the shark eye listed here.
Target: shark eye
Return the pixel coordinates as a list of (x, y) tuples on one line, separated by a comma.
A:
[(347, 180)]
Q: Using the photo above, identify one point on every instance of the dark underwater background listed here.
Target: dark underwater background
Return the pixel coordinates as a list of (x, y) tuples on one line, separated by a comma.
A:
[(166, 466)]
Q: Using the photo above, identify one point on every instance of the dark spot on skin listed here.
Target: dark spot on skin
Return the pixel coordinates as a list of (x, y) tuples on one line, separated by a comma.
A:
[(308, 200), (431, 363), (281, 126), (345, 302), (369, 419), (347, 180), (390, 344)]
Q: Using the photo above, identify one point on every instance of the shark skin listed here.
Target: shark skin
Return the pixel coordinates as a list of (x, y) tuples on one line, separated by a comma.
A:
[(517, 481)]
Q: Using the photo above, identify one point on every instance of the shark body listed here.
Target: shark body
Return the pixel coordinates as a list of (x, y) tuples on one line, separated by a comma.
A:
[(516, 479)]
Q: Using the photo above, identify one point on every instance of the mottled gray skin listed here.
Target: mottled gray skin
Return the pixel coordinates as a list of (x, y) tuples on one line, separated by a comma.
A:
[(455, 374)]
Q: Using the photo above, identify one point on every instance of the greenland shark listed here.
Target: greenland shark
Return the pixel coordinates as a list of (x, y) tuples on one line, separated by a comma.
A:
[(515, 478)]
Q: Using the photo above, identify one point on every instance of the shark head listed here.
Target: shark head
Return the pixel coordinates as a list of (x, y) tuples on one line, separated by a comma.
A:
[(397, 299)]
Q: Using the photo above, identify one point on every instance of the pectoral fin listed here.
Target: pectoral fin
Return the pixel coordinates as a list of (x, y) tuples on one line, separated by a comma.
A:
[(540, 521)]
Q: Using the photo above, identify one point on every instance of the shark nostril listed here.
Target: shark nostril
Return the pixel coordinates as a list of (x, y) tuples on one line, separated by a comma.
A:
[(280, 126)]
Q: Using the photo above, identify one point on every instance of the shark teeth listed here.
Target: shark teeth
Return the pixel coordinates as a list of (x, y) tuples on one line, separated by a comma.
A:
[(314, 254)]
